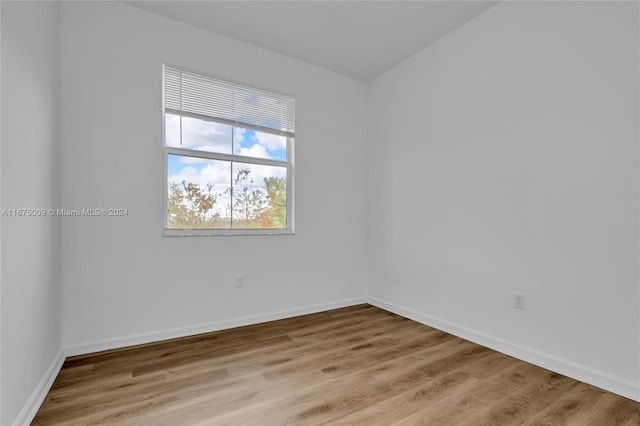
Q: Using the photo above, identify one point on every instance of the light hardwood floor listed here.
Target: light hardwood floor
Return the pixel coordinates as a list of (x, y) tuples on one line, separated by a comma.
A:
[(357, 365)]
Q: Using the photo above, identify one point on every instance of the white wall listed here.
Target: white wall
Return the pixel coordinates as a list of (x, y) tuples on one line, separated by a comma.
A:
[(124, 282), (503, 158), (31, 317), (506, 160)]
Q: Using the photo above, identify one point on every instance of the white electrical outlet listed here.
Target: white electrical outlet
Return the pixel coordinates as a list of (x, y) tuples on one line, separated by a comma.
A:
[(239, 281), (518, 300), (396, 278)]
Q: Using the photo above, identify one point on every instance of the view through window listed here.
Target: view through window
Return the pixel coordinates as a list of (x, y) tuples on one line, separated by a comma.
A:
[(229, 157)]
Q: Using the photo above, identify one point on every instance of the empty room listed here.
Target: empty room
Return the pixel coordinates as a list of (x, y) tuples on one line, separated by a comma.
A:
[(320, 212)]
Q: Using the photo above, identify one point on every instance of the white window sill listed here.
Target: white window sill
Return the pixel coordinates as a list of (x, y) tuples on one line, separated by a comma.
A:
[(173, 232)]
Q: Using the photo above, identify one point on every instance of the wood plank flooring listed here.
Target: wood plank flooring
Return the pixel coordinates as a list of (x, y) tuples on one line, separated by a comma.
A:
[(357, 365)]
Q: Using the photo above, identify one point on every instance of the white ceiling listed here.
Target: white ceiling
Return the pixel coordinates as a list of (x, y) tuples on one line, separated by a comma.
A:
[(361, 39)]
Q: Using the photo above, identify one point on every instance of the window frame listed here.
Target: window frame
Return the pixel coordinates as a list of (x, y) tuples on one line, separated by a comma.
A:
[(288, 164)]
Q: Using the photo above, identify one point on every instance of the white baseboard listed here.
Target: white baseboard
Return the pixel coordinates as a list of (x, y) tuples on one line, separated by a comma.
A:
[(30, 409), (138, 339), (617, 385)]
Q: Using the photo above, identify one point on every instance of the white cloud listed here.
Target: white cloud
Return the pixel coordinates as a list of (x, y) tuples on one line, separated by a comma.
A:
[(219, 173), (239, 133), (208, 172), (256, 150), (271, 141), (197, 134), (187, 173)]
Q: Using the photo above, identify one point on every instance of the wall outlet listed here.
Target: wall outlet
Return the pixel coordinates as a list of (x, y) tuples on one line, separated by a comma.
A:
[(518, 300), (396, 277), (239, 281)]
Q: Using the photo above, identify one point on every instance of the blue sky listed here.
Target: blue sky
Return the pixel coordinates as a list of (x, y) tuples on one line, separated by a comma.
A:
[(215, 137)]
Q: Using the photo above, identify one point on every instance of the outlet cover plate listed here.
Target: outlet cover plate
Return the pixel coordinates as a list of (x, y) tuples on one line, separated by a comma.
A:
[(518, 300)]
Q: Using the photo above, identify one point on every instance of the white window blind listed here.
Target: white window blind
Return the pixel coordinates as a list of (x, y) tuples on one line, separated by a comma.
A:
[(199, 96)]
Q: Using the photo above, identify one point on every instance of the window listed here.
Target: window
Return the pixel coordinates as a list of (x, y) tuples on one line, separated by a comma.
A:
[(228, 153)]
